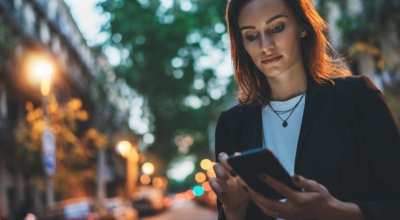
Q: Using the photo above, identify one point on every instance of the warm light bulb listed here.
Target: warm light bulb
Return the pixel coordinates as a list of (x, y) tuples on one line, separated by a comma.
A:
[(124, 147), (45, 85), (42, 69), (148, 168)]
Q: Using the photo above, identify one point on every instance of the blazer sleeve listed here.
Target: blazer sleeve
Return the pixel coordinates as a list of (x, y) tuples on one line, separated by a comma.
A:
[(221, 145), (382, 140), (226, 142)]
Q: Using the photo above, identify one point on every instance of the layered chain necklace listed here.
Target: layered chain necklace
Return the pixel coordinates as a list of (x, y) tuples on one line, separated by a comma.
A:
[(278, 113)]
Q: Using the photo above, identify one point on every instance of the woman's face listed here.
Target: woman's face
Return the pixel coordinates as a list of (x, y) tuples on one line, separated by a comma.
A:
[(272, 37)]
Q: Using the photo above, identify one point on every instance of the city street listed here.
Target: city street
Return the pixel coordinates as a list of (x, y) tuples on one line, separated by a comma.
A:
[(185, 211)]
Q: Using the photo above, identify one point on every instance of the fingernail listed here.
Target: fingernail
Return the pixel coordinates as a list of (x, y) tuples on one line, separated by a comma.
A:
[(296, 178), (262, 176), (245, 188), (233, 173), (237, 154), (222, 192)]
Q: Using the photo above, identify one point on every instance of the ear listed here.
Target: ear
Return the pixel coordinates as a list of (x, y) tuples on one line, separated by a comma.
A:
[(303, 32)]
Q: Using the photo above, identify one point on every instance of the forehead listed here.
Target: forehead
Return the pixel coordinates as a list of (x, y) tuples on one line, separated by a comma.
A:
[(256, 10)]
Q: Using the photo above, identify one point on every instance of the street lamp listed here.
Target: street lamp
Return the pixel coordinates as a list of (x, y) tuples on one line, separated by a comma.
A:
[(148, 168), (43, 70), (132, 171)]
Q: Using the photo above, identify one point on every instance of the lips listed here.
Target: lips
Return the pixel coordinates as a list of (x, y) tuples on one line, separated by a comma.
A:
[(271, 59)]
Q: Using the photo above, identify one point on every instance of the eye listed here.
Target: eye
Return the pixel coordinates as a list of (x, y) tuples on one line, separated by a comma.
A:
[(277, 29), (251, 37)]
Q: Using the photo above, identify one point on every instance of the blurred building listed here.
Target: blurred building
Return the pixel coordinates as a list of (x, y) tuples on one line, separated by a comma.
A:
[(372, 43), (45, 28)]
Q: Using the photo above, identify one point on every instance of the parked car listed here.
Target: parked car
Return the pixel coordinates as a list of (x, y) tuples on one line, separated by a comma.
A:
[(148, 200), (91, 209), (120, 209)]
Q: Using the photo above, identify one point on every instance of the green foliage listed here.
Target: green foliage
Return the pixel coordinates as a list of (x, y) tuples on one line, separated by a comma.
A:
[(375, 30), (7, 37), (154, 35), (369, 29)]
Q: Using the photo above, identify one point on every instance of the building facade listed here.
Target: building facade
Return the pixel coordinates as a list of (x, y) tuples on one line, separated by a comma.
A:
[(36, 29)]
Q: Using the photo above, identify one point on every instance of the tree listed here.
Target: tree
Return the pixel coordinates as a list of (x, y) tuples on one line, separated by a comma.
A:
[(164, 49), (75, 148), (370, 31)]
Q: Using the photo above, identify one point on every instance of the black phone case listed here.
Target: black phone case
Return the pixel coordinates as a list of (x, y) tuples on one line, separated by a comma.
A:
[(253, 162)]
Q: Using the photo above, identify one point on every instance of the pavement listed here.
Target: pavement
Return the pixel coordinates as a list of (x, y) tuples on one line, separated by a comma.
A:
[(185, 211)]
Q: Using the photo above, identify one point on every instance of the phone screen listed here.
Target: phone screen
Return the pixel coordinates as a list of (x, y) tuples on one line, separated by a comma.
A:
[(253, 162)]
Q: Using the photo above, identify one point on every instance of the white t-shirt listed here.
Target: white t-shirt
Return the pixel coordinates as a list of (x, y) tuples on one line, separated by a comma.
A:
[(283, 140)]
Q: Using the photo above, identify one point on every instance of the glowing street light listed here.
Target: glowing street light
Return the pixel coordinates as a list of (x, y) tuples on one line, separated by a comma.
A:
[(148, 168), (41, 68), (131, 155), (124, 147)]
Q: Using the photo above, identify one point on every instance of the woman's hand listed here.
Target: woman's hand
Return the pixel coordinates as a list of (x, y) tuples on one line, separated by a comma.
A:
[(314, 202), (228, 187)]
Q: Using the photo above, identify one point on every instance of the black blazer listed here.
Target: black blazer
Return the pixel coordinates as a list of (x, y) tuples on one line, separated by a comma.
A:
[(348, 142)]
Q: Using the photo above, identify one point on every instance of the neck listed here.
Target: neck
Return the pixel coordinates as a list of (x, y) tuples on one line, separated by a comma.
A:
[(286, 87)]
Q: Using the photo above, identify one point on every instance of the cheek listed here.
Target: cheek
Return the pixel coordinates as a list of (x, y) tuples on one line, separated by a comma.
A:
[(250, 50), (290, 41)]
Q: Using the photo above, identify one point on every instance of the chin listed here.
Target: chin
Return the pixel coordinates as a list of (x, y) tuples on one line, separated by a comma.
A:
[(272, 74)]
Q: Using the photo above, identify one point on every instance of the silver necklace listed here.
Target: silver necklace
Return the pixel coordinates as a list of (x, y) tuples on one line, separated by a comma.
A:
[(284, 122)]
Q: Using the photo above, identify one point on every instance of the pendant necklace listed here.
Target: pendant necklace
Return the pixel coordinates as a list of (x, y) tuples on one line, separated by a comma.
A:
[(278, 113)]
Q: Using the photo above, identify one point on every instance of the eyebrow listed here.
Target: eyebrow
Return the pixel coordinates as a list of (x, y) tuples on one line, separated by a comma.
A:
[(269, 21)]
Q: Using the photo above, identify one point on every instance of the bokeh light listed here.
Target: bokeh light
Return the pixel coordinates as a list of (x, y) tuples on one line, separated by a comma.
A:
[(181, 168), (210, 173), (206, 164), (145, 179), (200, 177), (206, 186), (168, 202), (158, 182), (124, 147), (148, 168), (45, 85), (181, 197), (198, 191), (189, 195), (42, 69)]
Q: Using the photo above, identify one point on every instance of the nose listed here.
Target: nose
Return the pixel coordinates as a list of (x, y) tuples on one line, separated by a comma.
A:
[(266, 43)]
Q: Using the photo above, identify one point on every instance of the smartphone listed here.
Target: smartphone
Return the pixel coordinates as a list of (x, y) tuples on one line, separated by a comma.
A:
[(253, 162)]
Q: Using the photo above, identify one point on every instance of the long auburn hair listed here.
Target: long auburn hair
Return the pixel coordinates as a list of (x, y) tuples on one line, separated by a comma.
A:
[(321, 61)]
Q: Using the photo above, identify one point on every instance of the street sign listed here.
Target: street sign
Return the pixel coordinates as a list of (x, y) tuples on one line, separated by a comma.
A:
[(49, 151)]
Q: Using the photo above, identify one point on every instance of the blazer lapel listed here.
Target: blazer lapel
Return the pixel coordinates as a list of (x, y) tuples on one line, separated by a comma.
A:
[(252, 128), (312, 105)]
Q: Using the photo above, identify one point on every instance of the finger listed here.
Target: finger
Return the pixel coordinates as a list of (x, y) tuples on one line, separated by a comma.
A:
[(237, 154), (305, 184), (269, 206), (280, 187), (220, 172), (216, 187), (223, 159)]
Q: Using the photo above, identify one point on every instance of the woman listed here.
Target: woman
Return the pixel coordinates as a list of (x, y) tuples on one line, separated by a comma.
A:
[(332, 131)]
